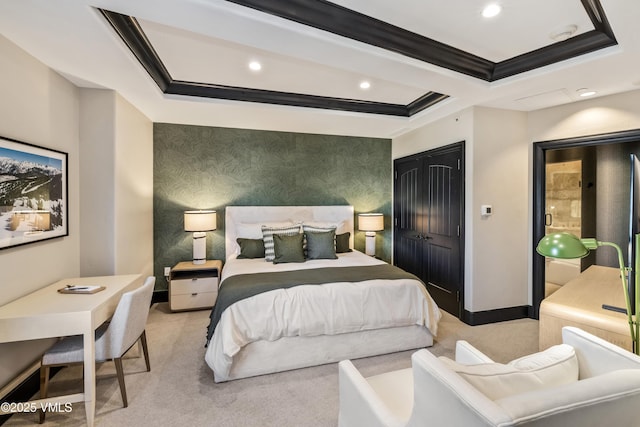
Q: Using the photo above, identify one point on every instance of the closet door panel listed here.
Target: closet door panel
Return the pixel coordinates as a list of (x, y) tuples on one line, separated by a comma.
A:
[(441, 232), (409, 217)]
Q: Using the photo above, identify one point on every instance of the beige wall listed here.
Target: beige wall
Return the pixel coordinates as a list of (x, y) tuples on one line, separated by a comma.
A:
[(133, 190), (110, 164), (117, 187), (590, 117), (97, 186), (40, 107), (500, 241)]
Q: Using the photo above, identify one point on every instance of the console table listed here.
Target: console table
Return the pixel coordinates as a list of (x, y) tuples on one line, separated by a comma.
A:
[(47, 313), (579, 303)]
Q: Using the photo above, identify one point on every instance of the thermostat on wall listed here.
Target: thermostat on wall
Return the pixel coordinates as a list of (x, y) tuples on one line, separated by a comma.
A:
[(486, 210)]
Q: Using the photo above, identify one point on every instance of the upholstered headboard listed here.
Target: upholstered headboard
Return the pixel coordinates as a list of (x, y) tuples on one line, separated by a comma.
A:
[(236, 216)]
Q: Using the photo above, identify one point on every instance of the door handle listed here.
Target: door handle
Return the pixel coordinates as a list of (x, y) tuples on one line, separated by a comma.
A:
[(422, 237)]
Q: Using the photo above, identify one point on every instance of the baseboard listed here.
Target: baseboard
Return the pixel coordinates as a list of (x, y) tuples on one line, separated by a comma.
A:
[(160, 296), (25, 390), (498, 315)]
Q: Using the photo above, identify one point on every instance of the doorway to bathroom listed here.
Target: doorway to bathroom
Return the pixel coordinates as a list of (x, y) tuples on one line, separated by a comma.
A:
[(565, 212), (601, 209)]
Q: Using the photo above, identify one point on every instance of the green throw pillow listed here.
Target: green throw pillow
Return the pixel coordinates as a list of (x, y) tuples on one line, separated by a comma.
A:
[(342, 243), (251, 248), (288, 248), (268, 233), (321, 245)]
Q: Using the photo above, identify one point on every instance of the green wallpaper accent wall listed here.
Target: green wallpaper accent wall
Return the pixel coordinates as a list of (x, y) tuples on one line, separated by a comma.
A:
[(197, 167)]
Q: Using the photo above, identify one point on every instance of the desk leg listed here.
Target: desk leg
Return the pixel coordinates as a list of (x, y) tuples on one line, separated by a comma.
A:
[(89, 376)]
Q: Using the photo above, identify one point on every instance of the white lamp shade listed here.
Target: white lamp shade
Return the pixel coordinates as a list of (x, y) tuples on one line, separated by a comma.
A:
[(371, 222), (200, 220)]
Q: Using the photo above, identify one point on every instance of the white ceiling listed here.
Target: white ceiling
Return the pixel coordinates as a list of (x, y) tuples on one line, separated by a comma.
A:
[(212, 41)]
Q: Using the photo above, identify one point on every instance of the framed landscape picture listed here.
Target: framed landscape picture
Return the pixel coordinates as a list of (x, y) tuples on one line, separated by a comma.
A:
[(33, 193)]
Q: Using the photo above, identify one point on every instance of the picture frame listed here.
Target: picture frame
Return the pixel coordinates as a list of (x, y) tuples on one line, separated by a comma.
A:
[(33, 193)]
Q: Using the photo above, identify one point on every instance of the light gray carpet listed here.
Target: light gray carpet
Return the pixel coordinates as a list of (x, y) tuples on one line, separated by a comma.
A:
[(180, 390)]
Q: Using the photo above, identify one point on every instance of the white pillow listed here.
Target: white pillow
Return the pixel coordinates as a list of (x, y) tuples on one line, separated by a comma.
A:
[(248, 230), (554, 366), (339, 226)]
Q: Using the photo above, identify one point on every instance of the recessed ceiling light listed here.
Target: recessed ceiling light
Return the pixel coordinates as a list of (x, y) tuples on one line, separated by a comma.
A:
[(255, 65), (584, 92), (365, 85), (491, 10)]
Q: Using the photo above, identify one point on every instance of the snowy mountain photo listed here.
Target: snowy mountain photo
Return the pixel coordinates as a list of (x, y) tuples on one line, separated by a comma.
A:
[(32, 193)]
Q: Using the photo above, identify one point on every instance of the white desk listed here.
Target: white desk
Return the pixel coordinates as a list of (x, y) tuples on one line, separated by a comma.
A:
[(47, 313)]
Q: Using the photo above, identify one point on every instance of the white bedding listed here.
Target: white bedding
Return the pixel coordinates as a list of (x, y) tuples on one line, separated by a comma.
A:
[(313, 310)]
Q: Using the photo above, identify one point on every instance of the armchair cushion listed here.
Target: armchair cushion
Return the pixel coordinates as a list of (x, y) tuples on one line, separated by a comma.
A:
[(555, 366), (396, 390)]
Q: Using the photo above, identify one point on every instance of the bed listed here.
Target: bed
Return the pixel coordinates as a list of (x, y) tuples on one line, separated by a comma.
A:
[(349, 307)]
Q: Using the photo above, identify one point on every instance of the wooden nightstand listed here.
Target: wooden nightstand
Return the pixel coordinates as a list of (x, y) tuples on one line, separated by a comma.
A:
[(194, 286)]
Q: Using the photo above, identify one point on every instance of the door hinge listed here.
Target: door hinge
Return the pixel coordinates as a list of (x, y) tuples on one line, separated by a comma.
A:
[(458, 231), (458, 296), (395, 175), (459, 164), (395, 222)]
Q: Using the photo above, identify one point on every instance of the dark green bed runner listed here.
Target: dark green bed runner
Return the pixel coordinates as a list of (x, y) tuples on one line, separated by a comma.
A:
[(241, 286)]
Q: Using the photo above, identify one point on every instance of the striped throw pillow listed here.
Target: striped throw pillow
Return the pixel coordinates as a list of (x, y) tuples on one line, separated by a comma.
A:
[(267, 236)]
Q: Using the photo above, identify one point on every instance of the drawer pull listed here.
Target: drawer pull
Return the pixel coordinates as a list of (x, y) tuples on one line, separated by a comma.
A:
[(194, 294)]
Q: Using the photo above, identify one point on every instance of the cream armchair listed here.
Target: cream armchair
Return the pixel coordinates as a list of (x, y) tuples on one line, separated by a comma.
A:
[(584, 382)]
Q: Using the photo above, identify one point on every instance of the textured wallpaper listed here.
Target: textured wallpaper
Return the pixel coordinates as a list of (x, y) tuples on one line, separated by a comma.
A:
[(198, 167)]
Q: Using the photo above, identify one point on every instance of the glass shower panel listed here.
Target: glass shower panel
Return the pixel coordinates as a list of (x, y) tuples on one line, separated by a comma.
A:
[(563, 213)]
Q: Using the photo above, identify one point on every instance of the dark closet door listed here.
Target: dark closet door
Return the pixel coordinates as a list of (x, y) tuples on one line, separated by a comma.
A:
[(442, 260), (428, 218), (408, 244)]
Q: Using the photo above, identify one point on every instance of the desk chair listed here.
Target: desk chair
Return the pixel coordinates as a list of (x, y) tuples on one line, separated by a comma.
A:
[(113, 339)]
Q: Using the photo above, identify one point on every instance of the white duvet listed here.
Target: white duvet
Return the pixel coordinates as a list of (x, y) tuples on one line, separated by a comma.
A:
[(311, 310)]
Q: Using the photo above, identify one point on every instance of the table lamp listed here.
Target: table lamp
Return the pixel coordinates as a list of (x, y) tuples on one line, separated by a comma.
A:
[(200, 222), (568, 246), (370, 223)]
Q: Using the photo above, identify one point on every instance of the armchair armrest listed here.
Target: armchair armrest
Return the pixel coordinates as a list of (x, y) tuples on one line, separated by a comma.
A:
[(597, 356), (443, 398), (360, 405), (608, 399), (469, 355)]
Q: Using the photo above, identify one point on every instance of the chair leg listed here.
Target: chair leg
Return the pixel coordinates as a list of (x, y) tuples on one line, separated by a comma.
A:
[(44, 386), (145, 349), (120, 373)]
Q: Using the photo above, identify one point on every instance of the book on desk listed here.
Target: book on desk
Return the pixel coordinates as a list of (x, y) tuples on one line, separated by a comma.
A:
[(71, 289)]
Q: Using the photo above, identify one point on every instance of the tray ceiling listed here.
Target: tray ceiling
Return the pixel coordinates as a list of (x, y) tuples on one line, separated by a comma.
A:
[(188, 63)]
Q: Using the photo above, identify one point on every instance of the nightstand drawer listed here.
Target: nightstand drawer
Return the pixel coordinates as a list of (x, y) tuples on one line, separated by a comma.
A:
[(193, 301), (195, 285)]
